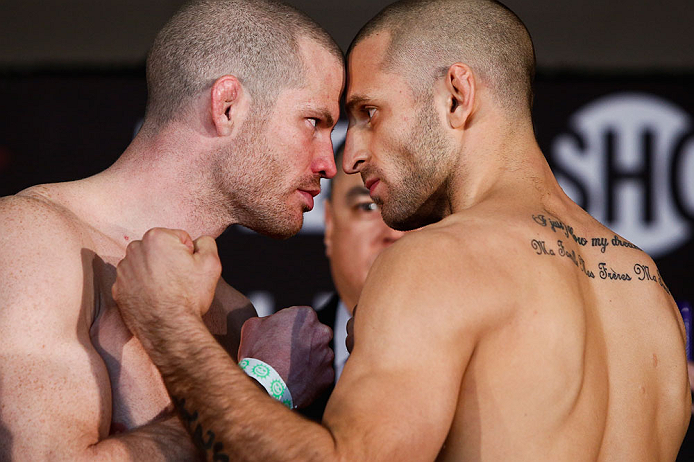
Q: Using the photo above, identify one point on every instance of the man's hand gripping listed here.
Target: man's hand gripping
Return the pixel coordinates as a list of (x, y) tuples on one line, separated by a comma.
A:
[(163, 276), (297, 346), (167, 277)]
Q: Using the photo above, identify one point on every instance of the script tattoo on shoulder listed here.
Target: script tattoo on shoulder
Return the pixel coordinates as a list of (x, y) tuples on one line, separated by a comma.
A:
[(541, 248), (605, 271), (206, 443), (644, 274), (565, 229)]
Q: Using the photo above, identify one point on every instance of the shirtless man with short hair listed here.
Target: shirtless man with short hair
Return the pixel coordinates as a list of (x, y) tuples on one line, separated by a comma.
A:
[(512, 326), (225, 78)]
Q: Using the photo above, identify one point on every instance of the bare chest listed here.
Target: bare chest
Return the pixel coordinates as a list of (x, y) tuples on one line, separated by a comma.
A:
[(138, 394)]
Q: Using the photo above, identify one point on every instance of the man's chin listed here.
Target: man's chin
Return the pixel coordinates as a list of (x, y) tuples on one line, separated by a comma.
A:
[(283, 230), (400, 221)]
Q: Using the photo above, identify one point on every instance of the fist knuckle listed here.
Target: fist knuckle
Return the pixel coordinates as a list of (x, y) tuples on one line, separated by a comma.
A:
[(327, 330), (214, 264), (120, 269), (325, 333), (130, 249), (150, 234), (311, 314), (252, 323)]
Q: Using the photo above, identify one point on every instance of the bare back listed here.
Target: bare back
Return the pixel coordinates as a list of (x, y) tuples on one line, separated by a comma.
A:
[(513, 331), (72, 373), (584, 357)]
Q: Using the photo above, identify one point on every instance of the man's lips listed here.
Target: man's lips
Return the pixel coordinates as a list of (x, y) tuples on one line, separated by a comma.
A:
[(371, 184), (312, 192), (309, 194)]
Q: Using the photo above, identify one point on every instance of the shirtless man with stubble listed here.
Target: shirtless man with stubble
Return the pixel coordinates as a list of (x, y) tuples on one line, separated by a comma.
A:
[(512, 326), (225, 77)]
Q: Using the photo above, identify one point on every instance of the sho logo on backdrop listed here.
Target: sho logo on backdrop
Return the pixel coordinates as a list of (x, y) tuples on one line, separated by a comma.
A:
[(628, 159)]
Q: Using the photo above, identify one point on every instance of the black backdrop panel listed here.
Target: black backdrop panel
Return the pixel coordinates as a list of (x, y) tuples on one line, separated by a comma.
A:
[(620, 145)]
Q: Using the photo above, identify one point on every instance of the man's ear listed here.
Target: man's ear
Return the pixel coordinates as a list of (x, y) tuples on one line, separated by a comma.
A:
[(460, 83), (225, 104), (328, 235)]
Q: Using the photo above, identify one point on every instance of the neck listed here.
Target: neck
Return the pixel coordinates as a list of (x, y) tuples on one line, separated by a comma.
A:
[(157, 182), (499, 157)]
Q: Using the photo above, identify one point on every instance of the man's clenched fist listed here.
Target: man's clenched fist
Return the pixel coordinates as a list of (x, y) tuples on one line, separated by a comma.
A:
[(297, 345), (165, 274)]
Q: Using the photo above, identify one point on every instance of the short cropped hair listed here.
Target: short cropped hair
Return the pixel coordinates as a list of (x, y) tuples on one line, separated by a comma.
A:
[(428, 36), (254, 40)]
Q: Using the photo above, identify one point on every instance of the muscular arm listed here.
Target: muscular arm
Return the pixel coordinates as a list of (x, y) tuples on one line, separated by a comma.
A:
[(55, 396), (230, 309), (382, 407)]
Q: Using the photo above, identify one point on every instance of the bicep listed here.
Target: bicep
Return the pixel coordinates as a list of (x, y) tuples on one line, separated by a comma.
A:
[(53, 400), (399, 389), (52, 381), (53, 385), (229, 310)]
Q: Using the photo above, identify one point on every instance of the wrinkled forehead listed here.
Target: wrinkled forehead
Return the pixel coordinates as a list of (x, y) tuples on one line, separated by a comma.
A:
[(324, 76)]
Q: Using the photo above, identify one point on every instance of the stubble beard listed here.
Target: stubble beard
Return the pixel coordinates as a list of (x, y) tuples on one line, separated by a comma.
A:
[(252, 183), (421, 195)]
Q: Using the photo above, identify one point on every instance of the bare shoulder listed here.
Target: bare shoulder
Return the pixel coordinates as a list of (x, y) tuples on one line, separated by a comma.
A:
[(35, 228), (458, 245), (53, 398), (42, 254), (32, 214), (453, 265)]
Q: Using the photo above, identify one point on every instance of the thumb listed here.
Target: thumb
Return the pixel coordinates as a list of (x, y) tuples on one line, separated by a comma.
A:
[(185, 239), (205, 245), (206, 249)]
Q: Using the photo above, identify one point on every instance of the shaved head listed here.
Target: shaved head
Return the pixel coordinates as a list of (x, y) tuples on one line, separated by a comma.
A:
[(254, 40), (428, 36)]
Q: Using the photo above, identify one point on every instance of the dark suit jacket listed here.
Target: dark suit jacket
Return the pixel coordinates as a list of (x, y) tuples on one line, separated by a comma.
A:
[(326, 314)]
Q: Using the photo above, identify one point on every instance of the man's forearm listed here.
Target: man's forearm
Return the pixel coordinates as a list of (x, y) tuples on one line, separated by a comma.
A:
[(163, 440), (225, 412)]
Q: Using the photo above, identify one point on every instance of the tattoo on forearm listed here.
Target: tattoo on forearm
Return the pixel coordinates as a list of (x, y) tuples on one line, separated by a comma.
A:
[(208, 445), (605, 271)]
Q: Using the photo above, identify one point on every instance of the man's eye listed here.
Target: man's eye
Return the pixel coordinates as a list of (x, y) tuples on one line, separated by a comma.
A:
[(370, 111), (312, 121), (367, 206)]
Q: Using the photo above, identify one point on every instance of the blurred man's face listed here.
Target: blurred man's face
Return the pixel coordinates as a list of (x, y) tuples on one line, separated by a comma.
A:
[(354, 235)]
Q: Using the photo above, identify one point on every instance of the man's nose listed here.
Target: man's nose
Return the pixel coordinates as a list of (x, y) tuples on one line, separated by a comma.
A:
[(356, 152), (324, 161)]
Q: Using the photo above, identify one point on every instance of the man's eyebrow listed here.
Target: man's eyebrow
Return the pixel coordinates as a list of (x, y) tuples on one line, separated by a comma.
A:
[(327, 116), (323, 113), (355, 100), (356, 191)]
